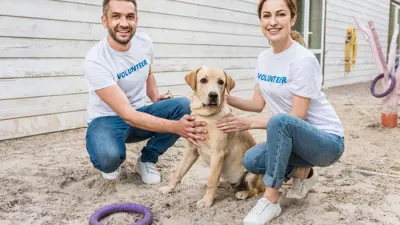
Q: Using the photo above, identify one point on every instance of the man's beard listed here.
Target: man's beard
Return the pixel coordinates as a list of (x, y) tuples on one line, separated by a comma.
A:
[(113, 34)]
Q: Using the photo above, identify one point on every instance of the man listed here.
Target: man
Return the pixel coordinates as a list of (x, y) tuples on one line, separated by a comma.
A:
[(119, 77)]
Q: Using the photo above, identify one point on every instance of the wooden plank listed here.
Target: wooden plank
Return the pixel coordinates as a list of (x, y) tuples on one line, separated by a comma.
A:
[(340, 61), (40, 48), (235, 5), (188, 64), (41, 124), (28, 107), (178, 78), (156, 20), (341, 68), (341, 32), (37, 87), (349, 80), (91, 13), (50, 29), (340, 54), (355, 73), (27, 67), (241, 6), (19, 68), (185, 90), (364, 11), (251, 1), (51, 86), (344, 24)]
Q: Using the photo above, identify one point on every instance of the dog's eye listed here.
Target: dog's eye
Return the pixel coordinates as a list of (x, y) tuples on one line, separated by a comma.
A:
[(203, 80), (221, 82)]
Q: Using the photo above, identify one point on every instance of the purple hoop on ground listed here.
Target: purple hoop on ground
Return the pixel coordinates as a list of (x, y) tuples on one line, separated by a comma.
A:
[(390, 89), (122, 207)]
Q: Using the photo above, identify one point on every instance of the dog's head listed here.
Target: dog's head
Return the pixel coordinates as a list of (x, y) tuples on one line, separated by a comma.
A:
[(209, 85)]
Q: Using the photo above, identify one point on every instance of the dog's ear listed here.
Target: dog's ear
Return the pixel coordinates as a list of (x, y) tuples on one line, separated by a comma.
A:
[(230, 83), (190, 78)]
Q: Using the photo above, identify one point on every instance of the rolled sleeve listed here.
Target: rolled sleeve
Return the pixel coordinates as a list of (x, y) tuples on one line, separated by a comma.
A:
[(97, 76), (306, 78)]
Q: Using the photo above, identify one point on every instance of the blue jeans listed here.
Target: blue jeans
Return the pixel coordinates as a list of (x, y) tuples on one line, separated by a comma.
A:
[(291, 143), (106, 136)]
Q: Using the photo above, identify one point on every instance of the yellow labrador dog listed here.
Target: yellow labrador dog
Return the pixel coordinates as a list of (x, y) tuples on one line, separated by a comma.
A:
[(223, 152)]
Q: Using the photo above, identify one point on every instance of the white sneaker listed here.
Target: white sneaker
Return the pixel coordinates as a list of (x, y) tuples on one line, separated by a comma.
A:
[(113, 175), (148, 172), (262, 213), (300, 188)]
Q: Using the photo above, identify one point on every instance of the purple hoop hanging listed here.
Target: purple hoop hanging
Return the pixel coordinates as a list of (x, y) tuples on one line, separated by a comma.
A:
[(122, 207), (390, 89)]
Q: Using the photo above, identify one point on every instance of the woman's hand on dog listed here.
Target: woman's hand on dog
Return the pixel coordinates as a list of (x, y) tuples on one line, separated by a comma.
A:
[(190, 129), (232, 124)]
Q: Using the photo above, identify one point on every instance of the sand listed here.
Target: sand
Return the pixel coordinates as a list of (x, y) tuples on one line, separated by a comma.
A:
[(48, 179)]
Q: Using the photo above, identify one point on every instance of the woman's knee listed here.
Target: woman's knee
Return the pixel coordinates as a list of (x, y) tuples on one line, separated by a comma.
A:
[(278, 120), (251, 161)]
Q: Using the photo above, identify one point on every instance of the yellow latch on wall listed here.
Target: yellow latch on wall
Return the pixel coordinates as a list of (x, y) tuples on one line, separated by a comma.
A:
[(351, 49)]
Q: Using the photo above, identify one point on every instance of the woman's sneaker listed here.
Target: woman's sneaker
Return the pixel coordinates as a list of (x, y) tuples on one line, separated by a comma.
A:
[(300, 188), (262, 213), (113, 175)]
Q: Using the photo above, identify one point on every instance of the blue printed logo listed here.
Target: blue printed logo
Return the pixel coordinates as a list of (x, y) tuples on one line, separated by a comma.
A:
[(132, 69), (272, 79)]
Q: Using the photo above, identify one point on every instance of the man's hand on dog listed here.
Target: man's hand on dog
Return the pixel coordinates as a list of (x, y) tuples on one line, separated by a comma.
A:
[(190, 129), (232, 124)]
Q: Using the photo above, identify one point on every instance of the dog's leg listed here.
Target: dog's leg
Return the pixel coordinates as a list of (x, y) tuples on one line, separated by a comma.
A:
[(189, 158), (217, 160)]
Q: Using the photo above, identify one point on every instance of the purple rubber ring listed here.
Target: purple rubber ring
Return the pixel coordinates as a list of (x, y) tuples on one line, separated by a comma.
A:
[(122, 207), (390, 89)]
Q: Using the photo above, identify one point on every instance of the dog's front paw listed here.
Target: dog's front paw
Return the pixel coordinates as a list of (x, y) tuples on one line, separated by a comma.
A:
[(242, 195), (204, 203), (165, 189)]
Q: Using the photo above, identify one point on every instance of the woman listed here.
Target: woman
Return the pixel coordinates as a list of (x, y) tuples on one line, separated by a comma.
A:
[(304, 130)]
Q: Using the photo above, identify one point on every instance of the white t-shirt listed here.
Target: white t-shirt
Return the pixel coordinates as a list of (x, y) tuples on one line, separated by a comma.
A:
[(296, 71), (104, 66)]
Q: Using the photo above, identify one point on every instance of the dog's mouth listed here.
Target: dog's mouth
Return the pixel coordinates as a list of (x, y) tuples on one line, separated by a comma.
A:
[(211, 105)]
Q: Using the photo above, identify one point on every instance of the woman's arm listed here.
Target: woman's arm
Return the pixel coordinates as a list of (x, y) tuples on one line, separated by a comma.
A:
[(256, 104), (299, 109), (300, 106)]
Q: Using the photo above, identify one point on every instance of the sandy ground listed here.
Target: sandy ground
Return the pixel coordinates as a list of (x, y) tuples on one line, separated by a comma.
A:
[(48, 179)]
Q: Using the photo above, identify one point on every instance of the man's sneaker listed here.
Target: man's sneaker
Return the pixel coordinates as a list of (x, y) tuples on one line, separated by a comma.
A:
[(262, 213), (113, 175), (300, 188), (148, 172)]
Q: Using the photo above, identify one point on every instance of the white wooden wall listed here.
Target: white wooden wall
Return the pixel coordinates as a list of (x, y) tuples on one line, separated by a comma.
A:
[(339, 16), (43, 43)]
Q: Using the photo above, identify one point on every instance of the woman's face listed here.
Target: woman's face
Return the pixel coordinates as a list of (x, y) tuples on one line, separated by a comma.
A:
[(275, 20)]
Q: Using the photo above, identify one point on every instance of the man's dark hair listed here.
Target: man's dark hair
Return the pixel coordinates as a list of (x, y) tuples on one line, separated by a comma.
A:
[(106, 2)]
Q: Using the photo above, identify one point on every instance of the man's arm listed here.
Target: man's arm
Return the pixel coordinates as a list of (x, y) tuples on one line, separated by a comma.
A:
[(114, 97), (151, 87)]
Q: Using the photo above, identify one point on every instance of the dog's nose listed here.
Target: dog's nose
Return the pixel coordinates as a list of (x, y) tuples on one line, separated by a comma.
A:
[(213, 95)]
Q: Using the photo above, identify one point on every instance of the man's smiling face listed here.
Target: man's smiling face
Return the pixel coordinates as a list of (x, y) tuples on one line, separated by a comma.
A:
[(120, 19)]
